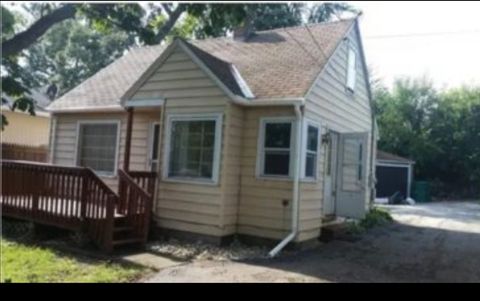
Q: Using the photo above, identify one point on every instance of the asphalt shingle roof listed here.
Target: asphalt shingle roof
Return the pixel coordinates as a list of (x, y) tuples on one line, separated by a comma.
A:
[(384, 156), (277, 63)]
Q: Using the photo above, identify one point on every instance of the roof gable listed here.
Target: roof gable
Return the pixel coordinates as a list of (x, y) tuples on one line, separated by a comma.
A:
[(280, 63), (220, 72), (275, 65)]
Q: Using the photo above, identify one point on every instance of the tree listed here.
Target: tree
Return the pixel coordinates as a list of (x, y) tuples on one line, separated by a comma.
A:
[(150, 25), (439, 130), (72, 51), (328, 10)]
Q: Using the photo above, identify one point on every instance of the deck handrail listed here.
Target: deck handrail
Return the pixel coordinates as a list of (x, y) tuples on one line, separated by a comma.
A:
[(101, 216), (65, 196), (135, 203), (145, 179)]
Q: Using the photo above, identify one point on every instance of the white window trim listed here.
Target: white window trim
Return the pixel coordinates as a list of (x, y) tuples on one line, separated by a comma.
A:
[(351, 49), (218, 118), (151, 131), (260, 174), (308, 122), (117, 144)]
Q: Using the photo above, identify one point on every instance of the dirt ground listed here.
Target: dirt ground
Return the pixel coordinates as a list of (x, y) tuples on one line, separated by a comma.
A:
[(435, 242)]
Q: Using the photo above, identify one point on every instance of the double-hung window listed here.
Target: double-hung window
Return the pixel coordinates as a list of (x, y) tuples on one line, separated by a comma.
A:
[(193, 149), (275, 147), (97, 146), (311, 151)]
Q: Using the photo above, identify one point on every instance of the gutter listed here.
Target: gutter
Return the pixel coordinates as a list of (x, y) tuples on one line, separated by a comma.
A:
[(110, 108), (267, 101), (296, 184)]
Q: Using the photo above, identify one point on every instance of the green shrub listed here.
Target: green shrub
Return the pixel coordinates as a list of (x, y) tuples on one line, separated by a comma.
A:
[(375, 217)]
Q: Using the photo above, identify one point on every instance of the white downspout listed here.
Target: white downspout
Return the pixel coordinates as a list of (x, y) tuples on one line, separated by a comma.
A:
[(296, 183)]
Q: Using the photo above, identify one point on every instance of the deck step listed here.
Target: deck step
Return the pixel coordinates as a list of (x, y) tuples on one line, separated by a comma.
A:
[(127, 241)]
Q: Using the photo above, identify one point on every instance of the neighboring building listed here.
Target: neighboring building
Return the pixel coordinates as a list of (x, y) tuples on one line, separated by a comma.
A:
[(394, 174), (25, 129), (255, 136)]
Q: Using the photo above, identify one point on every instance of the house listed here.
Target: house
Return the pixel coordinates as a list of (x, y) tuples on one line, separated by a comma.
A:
[(257, 136), (25, 129), (394, 174)]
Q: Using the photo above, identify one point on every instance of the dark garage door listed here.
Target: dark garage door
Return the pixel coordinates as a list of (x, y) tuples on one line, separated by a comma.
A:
[(391, 180)]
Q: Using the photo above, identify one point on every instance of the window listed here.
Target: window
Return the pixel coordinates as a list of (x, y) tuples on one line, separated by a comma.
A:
[(275, 148), (352, 164), (97, 146), (194, 146), (311, 151), (351, 70), (154, 144)]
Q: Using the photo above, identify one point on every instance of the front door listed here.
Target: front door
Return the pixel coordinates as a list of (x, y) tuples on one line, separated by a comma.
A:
[(352, 175), (154, 146), (330, 178)]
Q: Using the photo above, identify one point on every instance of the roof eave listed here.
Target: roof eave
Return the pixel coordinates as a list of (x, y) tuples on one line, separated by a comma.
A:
[(111, 108)]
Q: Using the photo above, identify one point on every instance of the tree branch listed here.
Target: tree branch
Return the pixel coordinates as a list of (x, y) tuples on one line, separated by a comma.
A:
[(167, 9), (165, 29), (26, 38)]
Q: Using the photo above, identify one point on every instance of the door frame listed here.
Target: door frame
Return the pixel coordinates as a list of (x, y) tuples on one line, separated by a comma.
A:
[(333, 170)]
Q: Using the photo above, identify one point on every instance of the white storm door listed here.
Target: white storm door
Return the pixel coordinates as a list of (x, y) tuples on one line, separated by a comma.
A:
[(351, 199)]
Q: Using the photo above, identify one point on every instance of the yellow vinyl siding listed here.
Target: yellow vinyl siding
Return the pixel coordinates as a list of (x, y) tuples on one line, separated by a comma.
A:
[(232, 166), (187, 89), (258, 195), (25, 129)]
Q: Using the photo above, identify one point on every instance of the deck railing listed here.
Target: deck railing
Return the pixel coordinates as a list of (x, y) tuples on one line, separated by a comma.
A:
[(144, 179), (64, 196), (135, 202)]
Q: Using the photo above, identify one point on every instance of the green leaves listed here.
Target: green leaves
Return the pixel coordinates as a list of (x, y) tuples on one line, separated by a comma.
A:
[(439, 130)]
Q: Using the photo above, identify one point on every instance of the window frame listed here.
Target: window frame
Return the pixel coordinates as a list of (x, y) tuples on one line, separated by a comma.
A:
[(310, 123), (117, 123), (350, 50), (218, 118), (260, 168)]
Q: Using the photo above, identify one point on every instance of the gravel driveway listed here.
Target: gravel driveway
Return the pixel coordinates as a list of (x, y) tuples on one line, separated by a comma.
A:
[(436, 242)]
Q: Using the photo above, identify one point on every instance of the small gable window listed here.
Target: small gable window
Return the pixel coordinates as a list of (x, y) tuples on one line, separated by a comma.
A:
[(351, 70)]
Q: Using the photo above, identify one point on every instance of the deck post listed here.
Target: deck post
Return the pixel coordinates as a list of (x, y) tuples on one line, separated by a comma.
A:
[(84, 197), (128, 140)]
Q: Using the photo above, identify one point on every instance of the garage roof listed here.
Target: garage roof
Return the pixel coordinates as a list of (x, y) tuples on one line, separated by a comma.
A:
[(388, 157)]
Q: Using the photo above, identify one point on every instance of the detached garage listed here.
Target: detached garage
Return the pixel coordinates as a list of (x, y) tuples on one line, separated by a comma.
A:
[(394, 174)]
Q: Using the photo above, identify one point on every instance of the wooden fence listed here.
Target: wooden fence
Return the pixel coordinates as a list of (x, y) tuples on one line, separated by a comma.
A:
[(24, 152)]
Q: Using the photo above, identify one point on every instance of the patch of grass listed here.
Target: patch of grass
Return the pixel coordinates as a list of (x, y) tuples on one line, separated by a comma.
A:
[(27, 263), (375, 217)]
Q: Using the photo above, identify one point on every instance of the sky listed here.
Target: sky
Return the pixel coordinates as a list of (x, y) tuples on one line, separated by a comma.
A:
[(449, 60)]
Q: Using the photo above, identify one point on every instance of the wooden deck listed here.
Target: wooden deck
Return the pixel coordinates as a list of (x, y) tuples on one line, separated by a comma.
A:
[(74, 198)]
